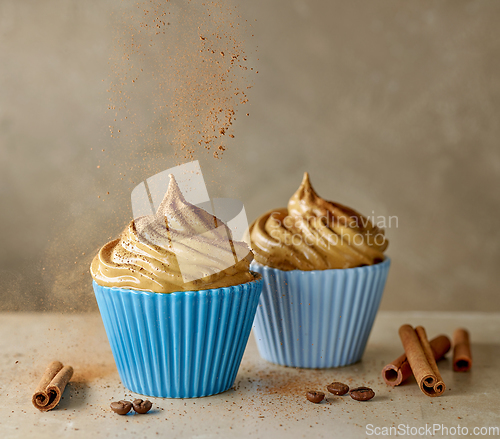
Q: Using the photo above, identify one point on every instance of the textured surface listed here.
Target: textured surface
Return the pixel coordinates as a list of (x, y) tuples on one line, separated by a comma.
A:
[(392, 106), (267, 401), (178, 345), (317, 319)]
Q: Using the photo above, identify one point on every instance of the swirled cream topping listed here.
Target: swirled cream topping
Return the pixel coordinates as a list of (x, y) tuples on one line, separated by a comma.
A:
[(315, 234), (180, 248)]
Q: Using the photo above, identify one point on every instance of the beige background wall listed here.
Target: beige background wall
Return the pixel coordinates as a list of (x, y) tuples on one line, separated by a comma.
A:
[(392, 106)]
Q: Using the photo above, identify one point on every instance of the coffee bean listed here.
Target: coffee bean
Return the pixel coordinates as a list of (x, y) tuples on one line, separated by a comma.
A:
[(362, 393), (338, 388), (315, 397), (141, 406), (121, 407)]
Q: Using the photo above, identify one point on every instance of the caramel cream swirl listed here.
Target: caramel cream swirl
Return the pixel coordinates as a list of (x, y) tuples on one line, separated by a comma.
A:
[(180, 248), (315, 234)]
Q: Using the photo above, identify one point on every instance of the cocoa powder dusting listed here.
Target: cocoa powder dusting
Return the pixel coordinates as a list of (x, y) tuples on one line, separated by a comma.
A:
[(180, 72), (294, 382)]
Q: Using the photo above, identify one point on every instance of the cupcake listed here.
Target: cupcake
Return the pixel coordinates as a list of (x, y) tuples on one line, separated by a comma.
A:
[(324, 273), (177, 299)]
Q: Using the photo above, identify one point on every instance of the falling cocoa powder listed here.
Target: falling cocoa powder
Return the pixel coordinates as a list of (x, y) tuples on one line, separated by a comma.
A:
[(180, 72), (172, 98)]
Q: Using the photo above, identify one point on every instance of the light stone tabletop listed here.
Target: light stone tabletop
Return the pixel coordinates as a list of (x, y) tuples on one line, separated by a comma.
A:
[(266, 401)]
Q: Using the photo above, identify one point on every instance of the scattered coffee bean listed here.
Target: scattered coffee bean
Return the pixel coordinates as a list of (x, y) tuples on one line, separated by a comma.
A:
[(121, 407), (338, 388), (362, 393), (141, 406), (315, 397)]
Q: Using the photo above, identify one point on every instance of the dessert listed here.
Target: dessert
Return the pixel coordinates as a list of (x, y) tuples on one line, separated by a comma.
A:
[(315, 234), (177, 299), (324, 273), (147, 255)]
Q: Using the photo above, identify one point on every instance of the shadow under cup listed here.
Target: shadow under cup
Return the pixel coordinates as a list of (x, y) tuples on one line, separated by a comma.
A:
[(317, 319), (178, 345)]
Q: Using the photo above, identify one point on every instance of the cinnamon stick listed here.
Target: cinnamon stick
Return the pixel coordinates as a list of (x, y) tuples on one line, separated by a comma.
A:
[(51, 387), (399, 370), (462, 357), (421, 360)]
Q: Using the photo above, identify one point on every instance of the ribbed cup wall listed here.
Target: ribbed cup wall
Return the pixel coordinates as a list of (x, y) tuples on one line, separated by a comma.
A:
[(317, 319), (178, 345)]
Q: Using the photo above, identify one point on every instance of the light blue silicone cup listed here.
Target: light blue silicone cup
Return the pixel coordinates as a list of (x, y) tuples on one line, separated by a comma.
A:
[(317, 319), (179, 345)]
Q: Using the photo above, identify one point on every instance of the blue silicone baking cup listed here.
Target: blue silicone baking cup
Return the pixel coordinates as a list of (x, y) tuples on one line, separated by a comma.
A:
[(317, 319), (179, 345)]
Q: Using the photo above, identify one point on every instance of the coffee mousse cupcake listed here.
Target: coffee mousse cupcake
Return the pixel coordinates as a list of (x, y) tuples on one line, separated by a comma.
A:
[(176, 300), (324, 273)]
